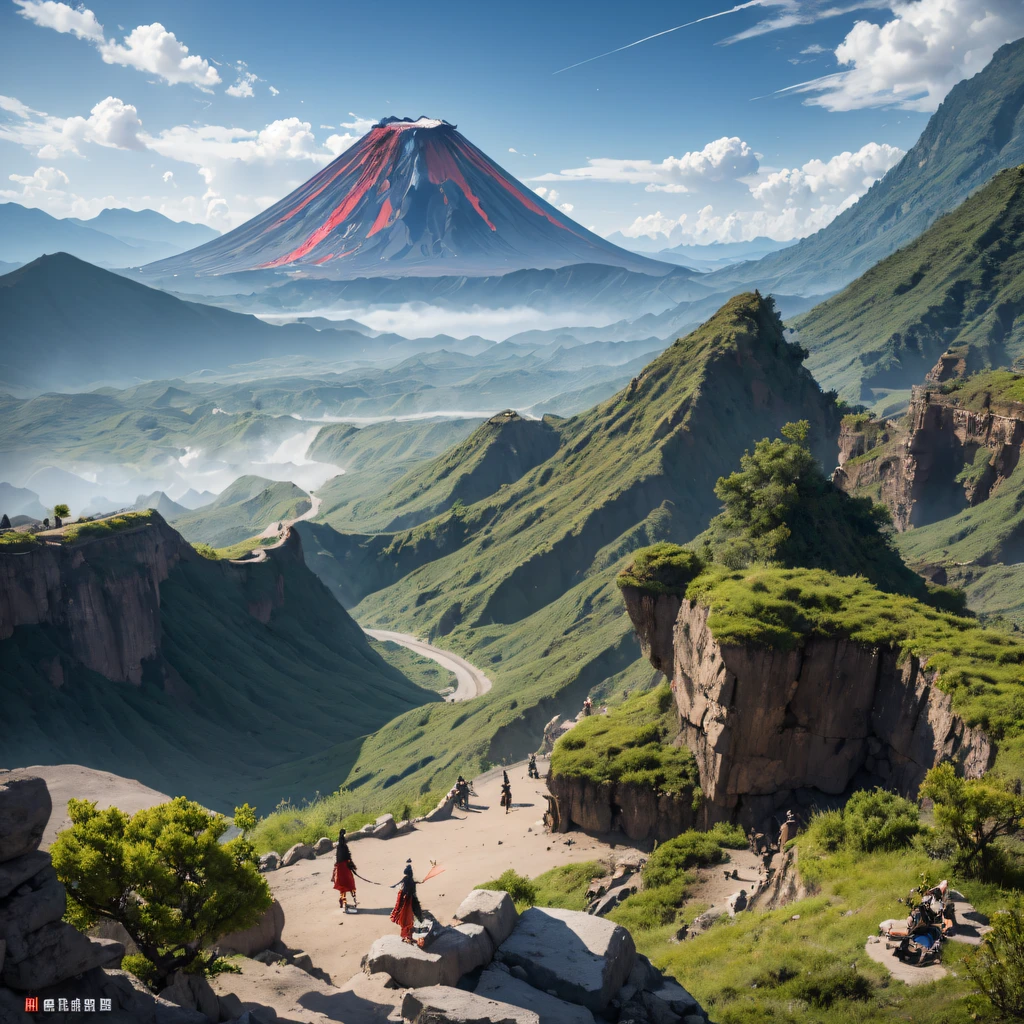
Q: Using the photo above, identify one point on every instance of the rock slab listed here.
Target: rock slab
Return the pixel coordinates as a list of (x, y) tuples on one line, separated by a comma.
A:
[(411, 966), (577, 957), (25, 808), (492, 909), (300, 851), (500, 985), (439, 1004)]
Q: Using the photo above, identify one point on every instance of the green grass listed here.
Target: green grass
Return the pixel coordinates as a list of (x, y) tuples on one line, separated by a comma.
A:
[(631, 744), (564, 886), (105, 527), (13, 540), (982, 669), (998, 391), (422, 671), (958, 285), (661, 569)]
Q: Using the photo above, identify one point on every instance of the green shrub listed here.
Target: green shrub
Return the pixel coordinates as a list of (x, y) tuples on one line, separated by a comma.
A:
[(661, 569), (691, 849), (519, 887), (873, 819), (104, 527), (822, 991), (12, 540), (998, 966), (207, 551)]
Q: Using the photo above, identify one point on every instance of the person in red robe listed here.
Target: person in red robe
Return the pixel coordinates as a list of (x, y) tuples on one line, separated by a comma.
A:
[(342, 878), (407, 906)]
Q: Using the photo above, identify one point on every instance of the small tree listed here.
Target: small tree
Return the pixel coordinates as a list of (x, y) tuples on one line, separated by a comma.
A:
[(998, 967), (974, 813), (61, 511), (164, 875)]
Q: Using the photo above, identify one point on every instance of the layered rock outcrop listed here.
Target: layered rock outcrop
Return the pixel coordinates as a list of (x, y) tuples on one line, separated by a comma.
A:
[(770, 726), (942, 458)]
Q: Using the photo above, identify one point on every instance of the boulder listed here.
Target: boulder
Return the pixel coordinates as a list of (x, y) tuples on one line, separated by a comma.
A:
[(468, 944), (25, 808), (493, 909), (33, 904), (645, 1008), (270, 861), (55, 952), (681, 1002), (262, 935), (501, 986), (300, 851), (14, 872), (403, 827), (409, 965), (441, 812), (323, 845), (384, 827), (439, 1004), (194, 993), (575, 956), (107, 929)]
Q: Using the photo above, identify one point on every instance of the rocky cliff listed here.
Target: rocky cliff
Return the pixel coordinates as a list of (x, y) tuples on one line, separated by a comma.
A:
[(959, 443), (771, 726)]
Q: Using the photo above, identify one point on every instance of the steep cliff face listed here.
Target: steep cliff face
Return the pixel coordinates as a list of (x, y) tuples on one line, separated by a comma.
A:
[(956, 447), (129, 652), (770, 727)]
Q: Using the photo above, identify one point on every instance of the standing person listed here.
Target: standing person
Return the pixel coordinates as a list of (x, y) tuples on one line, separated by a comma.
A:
[(342, 878), (462, 792), (506, 793), (588, 706), (531, 768), (407, 905)]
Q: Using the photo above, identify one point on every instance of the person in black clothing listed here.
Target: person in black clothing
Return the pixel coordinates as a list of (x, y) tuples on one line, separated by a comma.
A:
[(531, 768), (506, 793), (407, 905), (342, 878)]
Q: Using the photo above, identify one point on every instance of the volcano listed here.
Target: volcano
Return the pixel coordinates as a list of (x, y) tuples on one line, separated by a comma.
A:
[(411, 198)]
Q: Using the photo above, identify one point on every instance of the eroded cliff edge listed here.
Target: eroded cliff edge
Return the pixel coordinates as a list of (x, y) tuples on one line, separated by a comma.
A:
[(773, 727)]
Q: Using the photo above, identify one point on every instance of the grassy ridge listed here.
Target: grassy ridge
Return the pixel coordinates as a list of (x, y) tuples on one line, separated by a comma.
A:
[(959, 285)]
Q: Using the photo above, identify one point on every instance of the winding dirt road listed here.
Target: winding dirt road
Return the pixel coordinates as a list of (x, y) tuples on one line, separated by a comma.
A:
[(471, 681), (280, 530)]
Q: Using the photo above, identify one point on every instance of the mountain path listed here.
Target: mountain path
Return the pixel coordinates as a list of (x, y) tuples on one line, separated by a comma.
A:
[(471, 681), (472, 847), (280, 530)]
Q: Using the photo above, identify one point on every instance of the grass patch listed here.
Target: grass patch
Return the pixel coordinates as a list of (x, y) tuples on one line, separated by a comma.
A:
[(631, 744), (661, 569), (13, 540), (105, 527), (565, 886)]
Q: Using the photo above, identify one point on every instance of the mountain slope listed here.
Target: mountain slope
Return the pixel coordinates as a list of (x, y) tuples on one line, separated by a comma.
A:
[(129, 653), (411, 197), (959, 286), (27, 233), (522, 581), (977, 131), (95, 325), (243, 510)]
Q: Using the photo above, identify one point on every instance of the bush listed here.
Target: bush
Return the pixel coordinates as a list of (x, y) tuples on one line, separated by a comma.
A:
[(821, 991), (873, 819), (998, 966), (691, 849), (519, 887), (164, 875), (661, 569)]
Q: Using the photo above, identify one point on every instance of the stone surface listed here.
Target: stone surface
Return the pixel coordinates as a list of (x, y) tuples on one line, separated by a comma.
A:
[(24, 811), (439, 1004), (907, 973), (192, 991), (35, 903), (442, 811), (581, 958), (765, 723), (323, 845), (300, 851), (468, 944), (384, 827), (55, 952), (262, 935), (409, 965), (501, 986), (492, 909), (270, 861), (20, 869)]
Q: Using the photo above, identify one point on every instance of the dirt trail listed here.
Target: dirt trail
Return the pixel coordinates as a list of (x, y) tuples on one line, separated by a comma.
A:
[(280, 530), (471, 681), (472, 847)]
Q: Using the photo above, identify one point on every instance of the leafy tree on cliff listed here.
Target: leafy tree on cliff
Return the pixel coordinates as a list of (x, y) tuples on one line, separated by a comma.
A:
[(973, 813), (62, 511), (164, 875)]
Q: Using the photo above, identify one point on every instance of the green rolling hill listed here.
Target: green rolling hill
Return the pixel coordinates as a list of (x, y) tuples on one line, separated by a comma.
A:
[(959, 286)]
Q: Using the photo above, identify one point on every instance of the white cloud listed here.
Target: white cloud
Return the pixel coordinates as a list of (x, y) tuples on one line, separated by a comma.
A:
[(45, 178), (111, 123), (168, 177), (566, 207), (62, 18), (243, 87), (788, 203), (47, 189), (914, 59), (512, 149), (551, 196), (155, 50), (725, 159), (273, 91), (814, 48)]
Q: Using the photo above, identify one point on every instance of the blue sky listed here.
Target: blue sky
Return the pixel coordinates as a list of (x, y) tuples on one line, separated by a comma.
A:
[(695, 135)]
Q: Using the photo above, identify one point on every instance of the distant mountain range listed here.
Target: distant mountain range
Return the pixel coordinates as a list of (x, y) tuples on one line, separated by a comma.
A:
[(414, 198), (977, 131), (114, 238), (711, 256)]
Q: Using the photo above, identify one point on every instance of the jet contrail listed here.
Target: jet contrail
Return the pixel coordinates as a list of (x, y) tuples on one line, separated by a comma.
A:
[(707, 17)]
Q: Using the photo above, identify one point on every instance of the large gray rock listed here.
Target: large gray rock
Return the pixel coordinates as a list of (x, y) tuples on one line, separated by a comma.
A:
[(35, 903), (441, 1005), (55, 952), (441, 812), (468, 944), (194, 993), (270, 861), (300, 851), (500, 985), (493, 909), (384, 827), (580, 958), (411, 966), (262, 935), (323, 845), (14, 872), (25, 808)]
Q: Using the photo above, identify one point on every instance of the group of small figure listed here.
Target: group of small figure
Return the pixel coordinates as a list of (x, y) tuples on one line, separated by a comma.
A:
[(407, 910)]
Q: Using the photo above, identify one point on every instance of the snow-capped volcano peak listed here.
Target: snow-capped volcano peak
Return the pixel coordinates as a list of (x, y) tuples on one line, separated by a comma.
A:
[(412, 197)]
